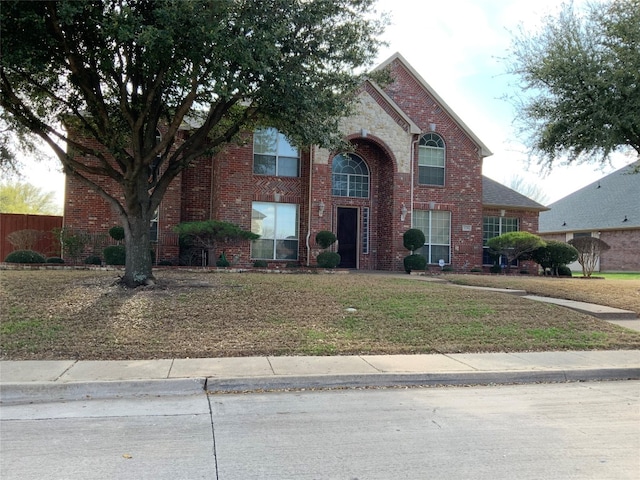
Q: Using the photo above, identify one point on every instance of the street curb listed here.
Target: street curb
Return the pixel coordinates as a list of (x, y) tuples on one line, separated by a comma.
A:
[(310, 382), (39, 392), (46, 392)]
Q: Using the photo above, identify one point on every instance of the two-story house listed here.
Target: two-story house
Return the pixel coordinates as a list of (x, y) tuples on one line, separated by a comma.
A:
[(414, 164)]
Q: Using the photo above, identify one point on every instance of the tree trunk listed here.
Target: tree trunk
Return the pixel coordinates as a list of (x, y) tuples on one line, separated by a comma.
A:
[(138, 263)]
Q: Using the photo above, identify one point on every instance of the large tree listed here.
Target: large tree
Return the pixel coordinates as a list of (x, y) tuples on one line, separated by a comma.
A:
[(580, 72), (117, 71)]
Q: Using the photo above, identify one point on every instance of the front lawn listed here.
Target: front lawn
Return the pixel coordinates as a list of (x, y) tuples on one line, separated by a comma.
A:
[(65, 314)]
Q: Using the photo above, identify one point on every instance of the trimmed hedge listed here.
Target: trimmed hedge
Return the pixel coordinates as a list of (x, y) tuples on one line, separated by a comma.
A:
[(114, 255), (25, 256), (414, 262), (328, 259)]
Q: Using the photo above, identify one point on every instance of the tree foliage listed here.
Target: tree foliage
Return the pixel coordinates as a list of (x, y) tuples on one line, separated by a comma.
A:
[(514, 245), (119, 71), (554, 255), (589, 251), (581, 75), (20, 197)]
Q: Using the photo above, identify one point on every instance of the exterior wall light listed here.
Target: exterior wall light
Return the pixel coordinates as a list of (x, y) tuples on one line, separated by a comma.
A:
[(321, 208), (403, 212)]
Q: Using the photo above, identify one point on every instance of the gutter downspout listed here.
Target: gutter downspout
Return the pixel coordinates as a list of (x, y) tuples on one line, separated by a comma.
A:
[(309, 210)]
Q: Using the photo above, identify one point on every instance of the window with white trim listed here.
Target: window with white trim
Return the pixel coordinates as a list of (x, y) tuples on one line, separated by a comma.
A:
[(277, 225), (494, 227), (436, 226), (431, 156), (349, 176), (274, 155)]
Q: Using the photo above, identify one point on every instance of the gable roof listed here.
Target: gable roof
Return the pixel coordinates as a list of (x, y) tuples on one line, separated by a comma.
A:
[(602, 205), (484, 150), (496, 195)]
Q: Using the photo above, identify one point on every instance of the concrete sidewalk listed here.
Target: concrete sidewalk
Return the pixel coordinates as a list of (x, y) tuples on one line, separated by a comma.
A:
[(40, 381)]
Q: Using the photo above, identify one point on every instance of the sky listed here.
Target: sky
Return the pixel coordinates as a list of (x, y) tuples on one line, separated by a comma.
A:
[(459, 47)]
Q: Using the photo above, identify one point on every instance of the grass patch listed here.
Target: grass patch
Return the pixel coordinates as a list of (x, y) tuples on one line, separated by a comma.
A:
[(84, 315)]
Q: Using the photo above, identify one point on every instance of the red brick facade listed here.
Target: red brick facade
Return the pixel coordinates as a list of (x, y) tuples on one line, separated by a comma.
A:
[(385, 135)]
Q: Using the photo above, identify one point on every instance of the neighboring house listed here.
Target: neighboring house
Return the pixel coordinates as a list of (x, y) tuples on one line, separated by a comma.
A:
[(608, 209), (414, 164)]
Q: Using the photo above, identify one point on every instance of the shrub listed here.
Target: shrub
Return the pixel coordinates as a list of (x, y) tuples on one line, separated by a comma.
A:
[(24, 239), (117, 233), (93, 260), (554, 254), (222, 261), (325, 238), (55, 260), (114, 255), (495, 268), (328, 259), (413, 239), (564, 271), (165, 263), (25, 256), (260, 264), (414, 261)]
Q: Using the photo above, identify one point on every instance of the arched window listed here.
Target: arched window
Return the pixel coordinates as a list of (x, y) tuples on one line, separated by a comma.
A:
[(350, 176), (431, 155)]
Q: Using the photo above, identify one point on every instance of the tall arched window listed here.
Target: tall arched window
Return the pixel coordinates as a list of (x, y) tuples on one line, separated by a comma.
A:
[(431, 155), (350, 176)]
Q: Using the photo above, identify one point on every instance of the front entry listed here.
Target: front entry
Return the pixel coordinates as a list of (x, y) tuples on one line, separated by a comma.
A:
[(347, 233)]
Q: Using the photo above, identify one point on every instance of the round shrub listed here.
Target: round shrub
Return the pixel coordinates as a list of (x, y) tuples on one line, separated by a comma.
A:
[(117, 233), (328, 259), (55, 260), (564, 271), (260, 264), (413, 239), (325, 238), (25, 256), (165, 263), (93, 260), (114, 255), (414, 262)]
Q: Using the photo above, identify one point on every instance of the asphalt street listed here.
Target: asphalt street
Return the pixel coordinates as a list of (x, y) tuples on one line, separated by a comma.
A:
[(579, 430)]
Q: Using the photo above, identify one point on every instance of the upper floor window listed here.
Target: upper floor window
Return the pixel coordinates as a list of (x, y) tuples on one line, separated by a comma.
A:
[(274, 155), (431, 160), (350, 176)]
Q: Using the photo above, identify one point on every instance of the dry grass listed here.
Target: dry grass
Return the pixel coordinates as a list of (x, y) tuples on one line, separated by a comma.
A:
[(85, 315), (617, 293)]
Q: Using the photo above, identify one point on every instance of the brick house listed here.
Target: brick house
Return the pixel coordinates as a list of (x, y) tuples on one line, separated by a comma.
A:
[(608, 209), (414, 164)]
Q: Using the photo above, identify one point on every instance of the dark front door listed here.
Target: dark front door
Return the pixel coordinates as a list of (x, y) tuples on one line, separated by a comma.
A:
[(347, 233)]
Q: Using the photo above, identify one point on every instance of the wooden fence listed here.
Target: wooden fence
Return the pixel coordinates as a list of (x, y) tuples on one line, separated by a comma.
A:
[(13, 222)]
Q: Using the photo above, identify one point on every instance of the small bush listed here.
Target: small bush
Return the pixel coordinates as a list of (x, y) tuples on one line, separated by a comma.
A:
[(414, 262), (222, 261), (476, 270), (495, 268), (25, 256), (328, 259), (325, 238), (114, 255), (165, 263), (260, 264), (117, 233), (55, 260), (292, 265), (413, 239), (93, 260), (564, 271)]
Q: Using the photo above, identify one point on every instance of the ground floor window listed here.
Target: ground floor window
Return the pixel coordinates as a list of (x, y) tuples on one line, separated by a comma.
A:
[(436, 226), (277, 225), (494, 227), (153, 226)]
